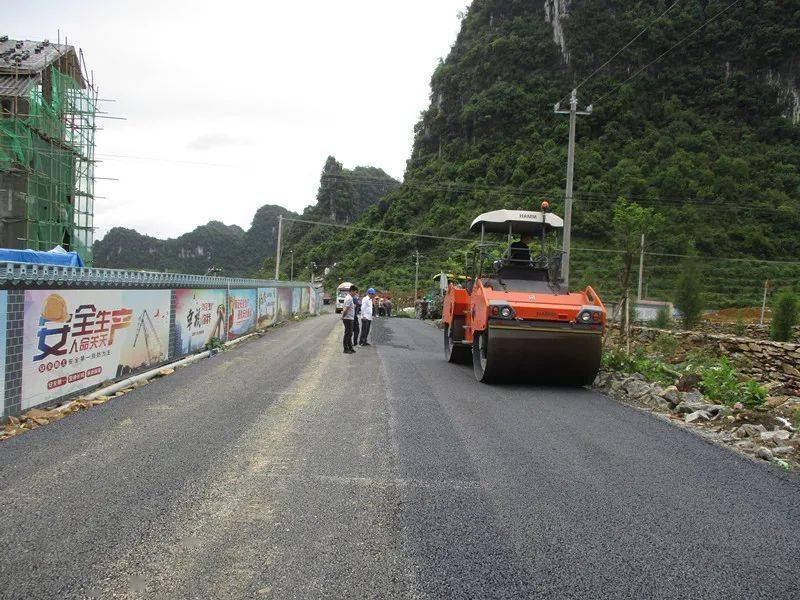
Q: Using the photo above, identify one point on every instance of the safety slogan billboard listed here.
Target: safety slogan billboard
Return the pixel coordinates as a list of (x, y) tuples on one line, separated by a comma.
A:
[(199, 318), (267, 306), (75, 339), (242, 312)]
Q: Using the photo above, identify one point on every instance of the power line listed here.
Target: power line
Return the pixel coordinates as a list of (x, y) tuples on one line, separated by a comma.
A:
[(625, 47), (376, 230), (166, 160), (465, 187), (578, 249), (671, 48)]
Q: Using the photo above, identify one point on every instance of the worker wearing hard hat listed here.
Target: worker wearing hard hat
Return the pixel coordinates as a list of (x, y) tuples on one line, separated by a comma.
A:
[(366, 316)]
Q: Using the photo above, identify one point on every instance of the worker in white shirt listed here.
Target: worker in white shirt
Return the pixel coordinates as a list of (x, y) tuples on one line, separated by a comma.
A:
[(348, 315), (366, 317)]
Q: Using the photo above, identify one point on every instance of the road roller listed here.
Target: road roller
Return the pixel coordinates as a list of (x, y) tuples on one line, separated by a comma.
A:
[(514, 320)]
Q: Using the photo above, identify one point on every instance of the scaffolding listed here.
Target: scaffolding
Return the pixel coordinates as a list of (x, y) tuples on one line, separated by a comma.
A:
[(47, 145)]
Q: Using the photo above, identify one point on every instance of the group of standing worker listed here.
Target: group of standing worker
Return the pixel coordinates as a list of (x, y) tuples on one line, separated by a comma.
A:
[(357, 315)]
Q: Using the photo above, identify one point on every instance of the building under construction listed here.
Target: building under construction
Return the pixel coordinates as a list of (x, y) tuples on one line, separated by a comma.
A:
[(47, 126)]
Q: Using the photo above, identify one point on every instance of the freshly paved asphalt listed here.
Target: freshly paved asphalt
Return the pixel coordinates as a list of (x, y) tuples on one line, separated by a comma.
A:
[(285, 469)]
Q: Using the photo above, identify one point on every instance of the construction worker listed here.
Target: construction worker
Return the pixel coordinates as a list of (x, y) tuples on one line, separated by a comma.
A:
[(357, 318), (366, 317), (348, 316), (519, 252)]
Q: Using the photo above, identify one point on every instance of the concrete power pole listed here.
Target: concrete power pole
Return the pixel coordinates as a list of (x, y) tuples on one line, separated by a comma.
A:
[(573, 113), (416, 277), (764, 302), (641, 270), (291, 269), (278, 249)]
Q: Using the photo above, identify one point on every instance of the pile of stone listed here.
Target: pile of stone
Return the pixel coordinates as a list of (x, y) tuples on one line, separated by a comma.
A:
[(763, 432)]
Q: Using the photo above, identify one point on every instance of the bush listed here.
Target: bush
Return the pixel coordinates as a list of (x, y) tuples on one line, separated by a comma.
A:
[(213, 343), (663, 318), (753, 393), (689, 295), (638, 362), (720, 383), (740, 327), (666, 345), (698, 360), (784, 317)]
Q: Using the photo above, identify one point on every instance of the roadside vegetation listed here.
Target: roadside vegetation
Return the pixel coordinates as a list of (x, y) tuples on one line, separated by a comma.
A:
[(664, 362)]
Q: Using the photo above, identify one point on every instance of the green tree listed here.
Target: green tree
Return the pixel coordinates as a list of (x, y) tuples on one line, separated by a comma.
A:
[(689, 294), (784, 316), (629, 224)]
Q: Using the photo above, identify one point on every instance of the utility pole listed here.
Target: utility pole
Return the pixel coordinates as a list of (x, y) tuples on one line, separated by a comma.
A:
[(416, 277), (764, 302), (641, 270), (278, 248), (291, 269), (573, 113)]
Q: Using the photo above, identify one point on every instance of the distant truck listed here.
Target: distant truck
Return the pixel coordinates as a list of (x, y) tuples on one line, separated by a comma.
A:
[(341, 294)]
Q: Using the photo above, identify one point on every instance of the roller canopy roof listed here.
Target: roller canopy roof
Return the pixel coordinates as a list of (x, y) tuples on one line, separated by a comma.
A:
[(522, 221)]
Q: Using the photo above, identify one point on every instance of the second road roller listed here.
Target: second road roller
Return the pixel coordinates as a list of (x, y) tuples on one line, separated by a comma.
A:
[(514, 319)]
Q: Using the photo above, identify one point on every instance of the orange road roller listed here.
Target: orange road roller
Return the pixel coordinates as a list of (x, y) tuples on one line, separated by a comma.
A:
[(514, 320)]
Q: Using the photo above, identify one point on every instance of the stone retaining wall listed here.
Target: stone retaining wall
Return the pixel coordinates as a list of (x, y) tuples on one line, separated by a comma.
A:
[(751, 330), (773, 363)]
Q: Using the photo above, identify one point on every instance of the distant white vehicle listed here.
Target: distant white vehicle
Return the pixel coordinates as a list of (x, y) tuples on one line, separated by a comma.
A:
[(341, 294)]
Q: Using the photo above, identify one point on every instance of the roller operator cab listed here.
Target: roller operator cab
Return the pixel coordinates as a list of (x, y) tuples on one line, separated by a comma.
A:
[(514, 320)]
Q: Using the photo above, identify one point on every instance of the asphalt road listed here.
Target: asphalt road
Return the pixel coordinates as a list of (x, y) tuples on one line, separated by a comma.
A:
[(285, 469)]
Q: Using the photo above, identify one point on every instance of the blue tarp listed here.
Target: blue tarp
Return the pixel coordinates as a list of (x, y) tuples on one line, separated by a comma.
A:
[(57, 256)]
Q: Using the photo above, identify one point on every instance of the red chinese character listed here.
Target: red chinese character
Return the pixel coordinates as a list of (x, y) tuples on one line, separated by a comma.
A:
[(120, 319), (103, 321), (83, 320)]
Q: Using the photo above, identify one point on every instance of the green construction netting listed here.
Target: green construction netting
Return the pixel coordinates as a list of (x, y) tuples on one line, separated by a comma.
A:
[(52, 147)]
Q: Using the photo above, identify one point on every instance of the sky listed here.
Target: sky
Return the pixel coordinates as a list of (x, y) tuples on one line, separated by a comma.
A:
[(231, 105)]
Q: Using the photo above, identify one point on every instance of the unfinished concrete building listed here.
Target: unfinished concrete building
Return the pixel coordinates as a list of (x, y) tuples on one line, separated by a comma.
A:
[(47, 129)]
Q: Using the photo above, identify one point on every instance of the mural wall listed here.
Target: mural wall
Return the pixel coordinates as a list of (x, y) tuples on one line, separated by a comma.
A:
[(242, 313), (76, 339), (284, 303), (73, 339), (267, 306), (199, 318)]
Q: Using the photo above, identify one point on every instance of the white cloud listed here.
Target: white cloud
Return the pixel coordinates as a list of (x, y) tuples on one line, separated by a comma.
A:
[(259, 92)]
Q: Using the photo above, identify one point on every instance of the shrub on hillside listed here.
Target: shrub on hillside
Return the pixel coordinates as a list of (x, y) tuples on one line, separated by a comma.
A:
[(784, 316), (689, 295), (663, 318)]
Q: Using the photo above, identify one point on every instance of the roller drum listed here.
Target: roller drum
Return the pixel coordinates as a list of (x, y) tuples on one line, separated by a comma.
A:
[(509, 354)]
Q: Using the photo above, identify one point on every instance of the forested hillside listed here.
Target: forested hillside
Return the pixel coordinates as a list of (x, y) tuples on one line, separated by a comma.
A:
[(344, 195), (707, 135)]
